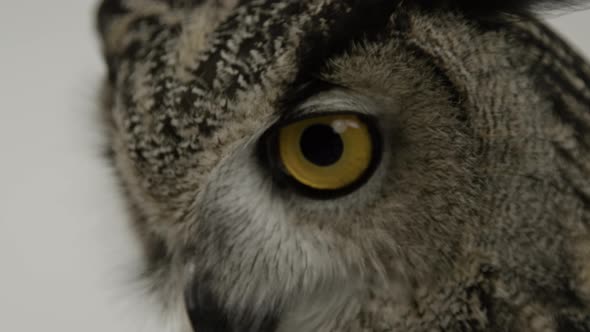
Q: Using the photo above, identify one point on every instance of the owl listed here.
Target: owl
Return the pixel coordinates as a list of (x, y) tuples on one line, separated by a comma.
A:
[(352, 165)]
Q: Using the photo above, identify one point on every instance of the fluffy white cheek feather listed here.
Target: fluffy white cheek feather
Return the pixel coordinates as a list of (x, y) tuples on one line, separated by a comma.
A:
[(309, 280), (133, 304)]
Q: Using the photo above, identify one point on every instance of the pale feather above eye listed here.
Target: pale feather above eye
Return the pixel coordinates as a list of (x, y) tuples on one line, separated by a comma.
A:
[(329, 146)]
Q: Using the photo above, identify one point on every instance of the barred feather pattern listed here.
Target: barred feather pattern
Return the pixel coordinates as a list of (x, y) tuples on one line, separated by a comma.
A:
[(477, 219)]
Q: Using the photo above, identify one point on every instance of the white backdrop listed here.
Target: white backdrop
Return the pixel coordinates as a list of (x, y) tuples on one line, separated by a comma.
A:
[(65, 252)]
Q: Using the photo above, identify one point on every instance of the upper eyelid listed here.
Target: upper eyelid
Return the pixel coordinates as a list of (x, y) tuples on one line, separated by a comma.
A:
[(336, 100)]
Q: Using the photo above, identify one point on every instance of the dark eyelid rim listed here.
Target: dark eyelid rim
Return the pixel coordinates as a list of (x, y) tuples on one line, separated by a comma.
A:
[(268, 154)]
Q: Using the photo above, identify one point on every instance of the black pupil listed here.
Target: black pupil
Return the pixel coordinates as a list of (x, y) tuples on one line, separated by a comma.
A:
[(321, 145)]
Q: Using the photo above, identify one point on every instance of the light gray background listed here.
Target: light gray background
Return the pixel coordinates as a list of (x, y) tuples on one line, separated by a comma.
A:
[(66, 255)]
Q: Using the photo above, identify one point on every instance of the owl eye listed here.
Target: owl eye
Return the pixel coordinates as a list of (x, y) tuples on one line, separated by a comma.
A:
[(326, 155)]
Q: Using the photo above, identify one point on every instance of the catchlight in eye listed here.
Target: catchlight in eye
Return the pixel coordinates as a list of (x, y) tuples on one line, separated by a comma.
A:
[(327, 155)]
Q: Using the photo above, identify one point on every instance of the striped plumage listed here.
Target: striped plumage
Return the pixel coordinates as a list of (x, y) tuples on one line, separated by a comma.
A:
[(477, 219)]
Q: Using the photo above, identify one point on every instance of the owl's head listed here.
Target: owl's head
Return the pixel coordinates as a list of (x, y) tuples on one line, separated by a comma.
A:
[(318, 165)]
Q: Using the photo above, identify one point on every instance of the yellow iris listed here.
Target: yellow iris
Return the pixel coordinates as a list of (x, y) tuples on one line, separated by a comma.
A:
[(326, 152)]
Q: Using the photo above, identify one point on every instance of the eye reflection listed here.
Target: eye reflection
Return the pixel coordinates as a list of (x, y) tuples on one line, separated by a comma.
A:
[(321, 145), (327, 155)]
